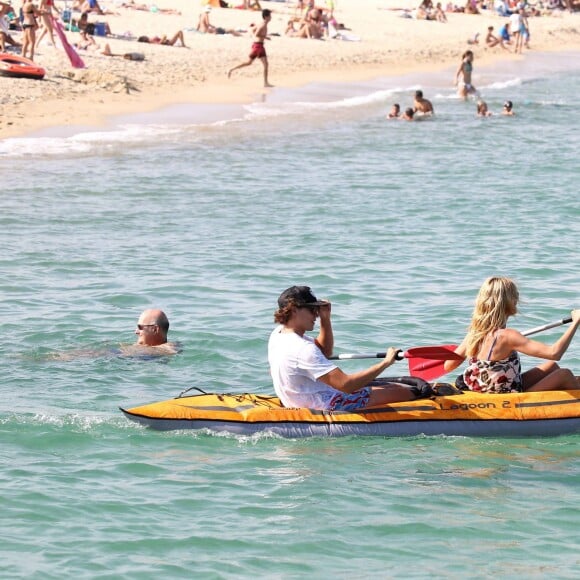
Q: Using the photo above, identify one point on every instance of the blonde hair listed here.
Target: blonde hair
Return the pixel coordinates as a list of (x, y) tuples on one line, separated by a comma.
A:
[(496, 301)]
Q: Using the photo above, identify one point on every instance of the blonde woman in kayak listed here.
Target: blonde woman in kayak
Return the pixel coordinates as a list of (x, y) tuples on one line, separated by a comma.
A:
[(493, 349)]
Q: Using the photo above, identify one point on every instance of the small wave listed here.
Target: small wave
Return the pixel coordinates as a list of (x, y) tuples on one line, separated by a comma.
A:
[(500, 85), (119, 139), (299, 107), (110, 142)]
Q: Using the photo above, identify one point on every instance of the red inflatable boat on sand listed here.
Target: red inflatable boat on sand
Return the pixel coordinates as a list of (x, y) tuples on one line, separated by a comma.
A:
[(12, 65)]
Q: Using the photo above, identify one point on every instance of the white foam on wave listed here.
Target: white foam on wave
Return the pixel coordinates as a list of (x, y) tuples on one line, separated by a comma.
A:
[(481, 88), (84, 142), (500, 85), (122, 137), (84, 422), (299, 107)]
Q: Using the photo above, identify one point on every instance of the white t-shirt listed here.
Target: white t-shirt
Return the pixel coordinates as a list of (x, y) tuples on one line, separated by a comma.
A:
[(516, 22), (296, 362)]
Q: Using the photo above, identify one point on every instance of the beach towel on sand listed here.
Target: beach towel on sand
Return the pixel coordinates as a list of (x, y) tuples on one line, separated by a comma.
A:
[(72, 54)]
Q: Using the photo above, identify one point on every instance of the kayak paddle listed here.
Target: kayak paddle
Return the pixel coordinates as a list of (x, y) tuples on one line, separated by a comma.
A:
[(425, 362)]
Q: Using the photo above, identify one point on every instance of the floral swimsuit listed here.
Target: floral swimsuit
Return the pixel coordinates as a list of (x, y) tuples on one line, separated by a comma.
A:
[(494, 376)]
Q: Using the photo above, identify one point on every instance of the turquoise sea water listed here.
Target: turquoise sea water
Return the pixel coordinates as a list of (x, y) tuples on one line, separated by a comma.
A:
[(209, 213)]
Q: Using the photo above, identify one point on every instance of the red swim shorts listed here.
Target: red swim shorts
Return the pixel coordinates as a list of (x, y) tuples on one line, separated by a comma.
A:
[(258, 50)]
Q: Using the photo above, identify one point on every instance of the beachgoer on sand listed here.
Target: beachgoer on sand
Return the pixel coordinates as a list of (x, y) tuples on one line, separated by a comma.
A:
[(249, 5), (520, 29), (440, 15), (425, 11), (291, 29), (505, 35), (5, 36), (515, 25), (204, 25), (87, 28), (149, 8), (30, 17), (45, 9), (471, 7), (260, 35), (89, 6), (502, 8), (138, 56), (164, 40), (492, 40), (314, 24), (474, 40)]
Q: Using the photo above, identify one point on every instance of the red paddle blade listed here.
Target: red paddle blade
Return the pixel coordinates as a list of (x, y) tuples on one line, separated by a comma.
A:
[(440, 352), (428, 363)]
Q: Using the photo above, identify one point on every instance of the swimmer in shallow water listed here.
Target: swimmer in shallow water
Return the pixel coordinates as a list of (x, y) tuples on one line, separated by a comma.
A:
[(508, 109), (395, 111), (464, 86), (482, 110), (422, 105)]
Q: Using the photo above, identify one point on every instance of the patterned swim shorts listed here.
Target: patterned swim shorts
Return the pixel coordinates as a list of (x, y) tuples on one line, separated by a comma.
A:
[(352, 402)]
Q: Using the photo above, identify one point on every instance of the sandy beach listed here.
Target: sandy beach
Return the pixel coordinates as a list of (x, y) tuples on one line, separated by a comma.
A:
[(385, 40)]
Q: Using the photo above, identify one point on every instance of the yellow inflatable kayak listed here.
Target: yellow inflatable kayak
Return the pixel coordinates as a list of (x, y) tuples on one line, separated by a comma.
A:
[(471, 414)]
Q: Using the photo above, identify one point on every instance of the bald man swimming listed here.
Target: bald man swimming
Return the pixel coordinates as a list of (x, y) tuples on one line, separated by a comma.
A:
[(151, 331)]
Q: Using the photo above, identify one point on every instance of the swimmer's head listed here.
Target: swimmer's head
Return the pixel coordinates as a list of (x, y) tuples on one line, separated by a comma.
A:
[(418, 94), (508, 105), (409, 112)]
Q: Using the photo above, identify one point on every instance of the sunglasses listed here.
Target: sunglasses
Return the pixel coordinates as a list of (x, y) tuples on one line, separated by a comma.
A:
[(143, 326)]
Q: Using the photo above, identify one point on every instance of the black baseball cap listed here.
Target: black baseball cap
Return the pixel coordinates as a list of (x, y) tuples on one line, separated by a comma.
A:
[(299, 296)]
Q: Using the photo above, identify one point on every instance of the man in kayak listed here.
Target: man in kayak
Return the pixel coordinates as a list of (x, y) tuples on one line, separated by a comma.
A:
[(304, 376)]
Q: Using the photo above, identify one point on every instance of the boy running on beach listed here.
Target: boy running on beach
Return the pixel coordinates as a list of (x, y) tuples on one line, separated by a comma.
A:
[(258, 49)]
